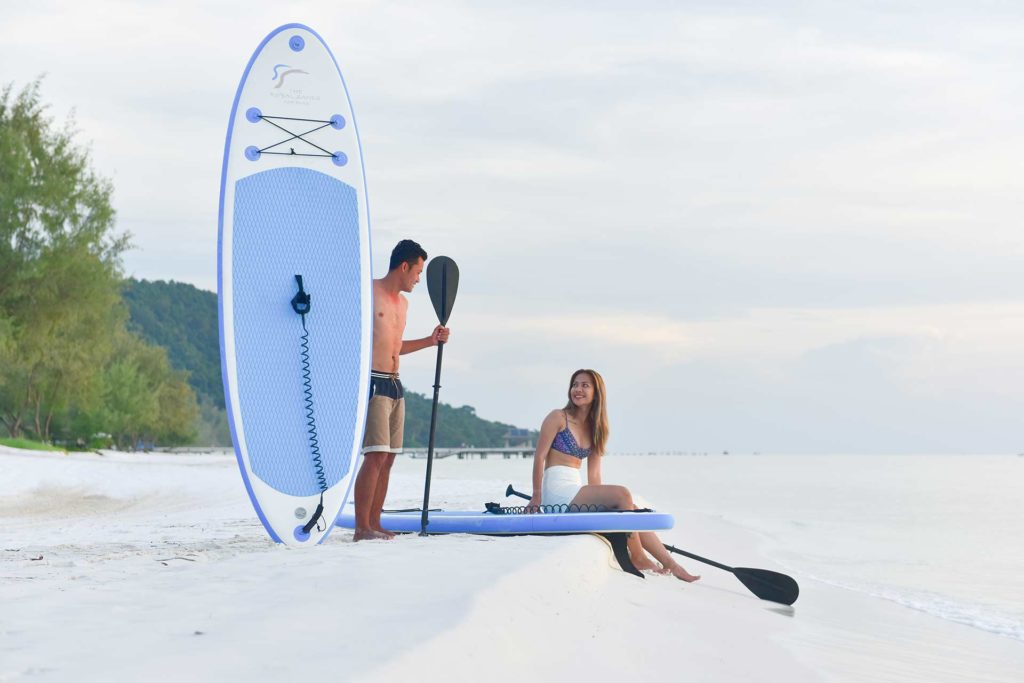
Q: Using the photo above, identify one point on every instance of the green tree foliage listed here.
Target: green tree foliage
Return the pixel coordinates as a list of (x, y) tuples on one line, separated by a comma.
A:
[(49, 197), (144, 400), (62, 336), (62, 320), (59, 257)]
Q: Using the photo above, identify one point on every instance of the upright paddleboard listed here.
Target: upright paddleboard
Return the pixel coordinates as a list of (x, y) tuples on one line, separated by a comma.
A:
[(294, 285)]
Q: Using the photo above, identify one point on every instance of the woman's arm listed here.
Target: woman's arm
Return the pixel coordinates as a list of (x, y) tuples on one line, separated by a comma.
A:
[(594, 470), (548, 429)]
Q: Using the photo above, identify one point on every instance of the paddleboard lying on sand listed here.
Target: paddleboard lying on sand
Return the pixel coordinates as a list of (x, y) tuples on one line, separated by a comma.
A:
[(472, 522), (294, 285), (613, 527)]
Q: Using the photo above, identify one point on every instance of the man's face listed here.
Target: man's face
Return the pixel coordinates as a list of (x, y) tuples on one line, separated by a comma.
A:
[(411, 274)]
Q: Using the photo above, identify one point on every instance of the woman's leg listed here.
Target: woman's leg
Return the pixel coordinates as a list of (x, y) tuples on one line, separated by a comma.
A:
[(611, 497), (617, 498), (652, 544)]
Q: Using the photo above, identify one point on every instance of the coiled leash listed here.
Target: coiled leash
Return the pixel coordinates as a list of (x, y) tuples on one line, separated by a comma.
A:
[(301, 305), (497, 509)]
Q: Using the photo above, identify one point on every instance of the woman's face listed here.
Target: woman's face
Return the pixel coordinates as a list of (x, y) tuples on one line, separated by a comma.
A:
[(581, 392)]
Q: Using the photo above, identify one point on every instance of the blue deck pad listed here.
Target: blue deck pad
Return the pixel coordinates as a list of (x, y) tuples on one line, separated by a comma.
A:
[(287, 222)]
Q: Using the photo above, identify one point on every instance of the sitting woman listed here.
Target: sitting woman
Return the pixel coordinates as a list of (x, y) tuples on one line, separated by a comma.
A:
[(576, 433)]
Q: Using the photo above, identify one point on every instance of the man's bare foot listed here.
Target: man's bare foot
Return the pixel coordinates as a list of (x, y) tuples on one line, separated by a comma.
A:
[(681, 574), (382, 530), (369, 535)]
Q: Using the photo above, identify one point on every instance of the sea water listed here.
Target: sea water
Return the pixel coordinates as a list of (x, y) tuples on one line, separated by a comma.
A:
[(940, 534)]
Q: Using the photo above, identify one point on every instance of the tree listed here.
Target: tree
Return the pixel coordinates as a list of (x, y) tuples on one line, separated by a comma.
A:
[(143, 400), (66, 336), (59, 265), (67, 363), (49, 195)]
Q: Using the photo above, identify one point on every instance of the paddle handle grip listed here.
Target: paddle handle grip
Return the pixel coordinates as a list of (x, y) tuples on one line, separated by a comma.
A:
[(512, 492)]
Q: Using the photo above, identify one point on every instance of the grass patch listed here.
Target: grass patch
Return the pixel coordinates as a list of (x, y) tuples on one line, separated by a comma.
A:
[(29, 445)]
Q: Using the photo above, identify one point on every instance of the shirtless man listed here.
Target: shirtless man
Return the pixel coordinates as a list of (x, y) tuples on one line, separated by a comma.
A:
[(385, 418)]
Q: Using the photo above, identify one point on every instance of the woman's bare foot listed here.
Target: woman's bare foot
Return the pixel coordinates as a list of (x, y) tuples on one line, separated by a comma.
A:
[(681, 574), (644, 564), (370, 535)]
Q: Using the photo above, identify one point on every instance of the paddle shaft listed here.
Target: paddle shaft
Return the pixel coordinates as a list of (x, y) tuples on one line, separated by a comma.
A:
[(705, 560), (430, 443)]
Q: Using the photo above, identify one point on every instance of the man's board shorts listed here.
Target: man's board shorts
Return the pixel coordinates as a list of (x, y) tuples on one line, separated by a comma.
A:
[(385, 416)]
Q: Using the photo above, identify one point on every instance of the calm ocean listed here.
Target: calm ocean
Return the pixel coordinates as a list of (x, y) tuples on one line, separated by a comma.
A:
[(940, 534)]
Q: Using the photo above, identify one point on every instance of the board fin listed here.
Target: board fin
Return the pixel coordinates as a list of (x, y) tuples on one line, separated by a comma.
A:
[(617, 542)]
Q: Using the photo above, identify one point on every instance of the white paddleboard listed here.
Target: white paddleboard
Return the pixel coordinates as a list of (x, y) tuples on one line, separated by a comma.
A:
[(293, 203)]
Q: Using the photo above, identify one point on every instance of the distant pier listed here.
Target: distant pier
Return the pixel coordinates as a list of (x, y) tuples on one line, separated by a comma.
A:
[(471, 452)]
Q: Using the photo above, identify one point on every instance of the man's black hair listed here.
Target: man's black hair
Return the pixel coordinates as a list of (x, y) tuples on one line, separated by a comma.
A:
[(406, 251)]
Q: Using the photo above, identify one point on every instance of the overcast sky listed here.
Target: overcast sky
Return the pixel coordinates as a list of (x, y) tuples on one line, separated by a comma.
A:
[(773, 227)]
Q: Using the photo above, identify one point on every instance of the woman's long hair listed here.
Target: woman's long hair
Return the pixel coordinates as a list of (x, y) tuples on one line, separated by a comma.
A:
[(598, 415)]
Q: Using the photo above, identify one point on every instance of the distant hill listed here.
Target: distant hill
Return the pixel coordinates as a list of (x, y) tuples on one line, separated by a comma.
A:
[(183, 319), (455, 426)]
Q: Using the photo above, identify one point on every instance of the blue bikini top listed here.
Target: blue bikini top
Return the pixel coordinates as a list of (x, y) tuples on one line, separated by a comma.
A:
[(565, 442)]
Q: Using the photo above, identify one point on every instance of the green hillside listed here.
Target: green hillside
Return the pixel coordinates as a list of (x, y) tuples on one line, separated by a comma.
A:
[(183, 319)]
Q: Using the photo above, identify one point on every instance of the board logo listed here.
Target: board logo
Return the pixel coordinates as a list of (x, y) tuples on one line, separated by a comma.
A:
[(282, 70)]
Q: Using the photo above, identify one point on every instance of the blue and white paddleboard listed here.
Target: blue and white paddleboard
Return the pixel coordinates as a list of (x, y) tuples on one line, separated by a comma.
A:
[(470, 522), (293, 203)]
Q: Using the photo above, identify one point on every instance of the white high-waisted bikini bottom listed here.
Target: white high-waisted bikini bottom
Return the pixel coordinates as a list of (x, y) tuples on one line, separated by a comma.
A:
[(560, 485)]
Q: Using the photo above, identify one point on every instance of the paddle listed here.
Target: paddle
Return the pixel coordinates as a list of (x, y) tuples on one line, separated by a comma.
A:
[(763, 583), (442, 283), (512, 492)]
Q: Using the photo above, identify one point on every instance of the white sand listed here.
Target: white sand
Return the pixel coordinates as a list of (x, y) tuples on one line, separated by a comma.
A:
[(128, 566)]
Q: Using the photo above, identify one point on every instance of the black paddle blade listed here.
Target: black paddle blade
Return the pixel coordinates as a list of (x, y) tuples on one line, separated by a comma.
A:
[(769, 585), (442, 283)]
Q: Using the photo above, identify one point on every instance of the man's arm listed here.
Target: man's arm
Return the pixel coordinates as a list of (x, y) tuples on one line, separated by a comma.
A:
[(410, 345)]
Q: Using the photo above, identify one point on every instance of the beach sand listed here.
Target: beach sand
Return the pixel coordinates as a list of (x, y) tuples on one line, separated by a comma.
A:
[(119, 567)]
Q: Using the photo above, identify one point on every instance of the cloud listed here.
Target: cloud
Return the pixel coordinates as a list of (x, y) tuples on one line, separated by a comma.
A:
[(705, 200)]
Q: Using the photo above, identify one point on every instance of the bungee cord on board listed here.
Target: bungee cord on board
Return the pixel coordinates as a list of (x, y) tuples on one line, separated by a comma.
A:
[(336, 122), (495, 508)]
